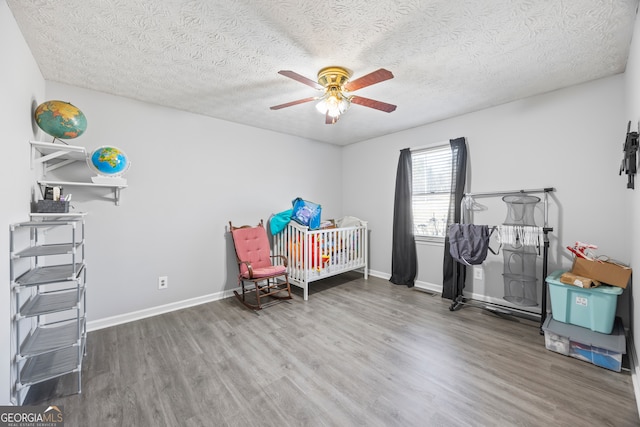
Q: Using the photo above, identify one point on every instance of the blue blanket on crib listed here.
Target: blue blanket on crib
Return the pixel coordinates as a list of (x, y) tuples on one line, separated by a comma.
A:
[(279, 221)]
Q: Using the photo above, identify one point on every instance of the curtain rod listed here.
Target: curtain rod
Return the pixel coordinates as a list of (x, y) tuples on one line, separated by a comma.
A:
[(429, 146), (506, 193)]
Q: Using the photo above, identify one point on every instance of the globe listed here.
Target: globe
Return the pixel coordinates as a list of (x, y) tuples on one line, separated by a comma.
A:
[(109, 161), (60, 119)]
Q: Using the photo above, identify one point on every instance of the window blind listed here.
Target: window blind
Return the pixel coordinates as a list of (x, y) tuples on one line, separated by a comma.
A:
[(431, 174)]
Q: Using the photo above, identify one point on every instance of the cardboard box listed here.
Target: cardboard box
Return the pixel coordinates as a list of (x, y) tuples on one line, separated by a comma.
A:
[(582, 282), (603, 271)]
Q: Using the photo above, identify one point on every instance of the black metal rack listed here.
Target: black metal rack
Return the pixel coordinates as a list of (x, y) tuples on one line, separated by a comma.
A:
[(459, 300)]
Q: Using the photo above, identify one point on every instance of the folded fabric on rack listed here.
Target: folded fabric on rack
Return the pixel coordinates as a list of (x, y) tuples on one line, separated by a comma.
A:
[(525, 235)]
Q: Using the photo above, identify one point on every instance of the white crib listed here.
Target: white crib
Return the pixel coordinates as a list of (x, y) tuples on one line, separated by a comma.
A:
[(316, 254)]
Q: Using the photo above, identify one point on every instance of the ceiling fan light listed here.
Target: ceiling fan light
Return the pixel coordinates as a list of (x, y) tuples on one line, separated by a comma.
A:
[(322, 106), (336, 99), (344, 104), (333, 103), (333, 113)]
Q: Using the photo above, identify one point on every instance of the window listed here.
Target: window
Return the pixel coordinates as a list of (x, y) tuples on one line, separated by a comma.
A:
[(431, 191)]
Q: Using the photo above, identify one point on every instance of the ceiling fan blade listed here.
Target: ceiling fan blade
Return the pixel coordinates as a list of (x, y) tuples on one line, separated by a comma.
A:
[(369, 79), (330, 120), (302, 79), (292, 103), (372, 103)]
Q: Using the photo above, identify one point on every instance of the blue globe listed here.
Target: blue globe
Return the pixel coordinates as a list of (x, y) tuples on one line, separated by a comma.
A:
[(109, 161), (60, 119)]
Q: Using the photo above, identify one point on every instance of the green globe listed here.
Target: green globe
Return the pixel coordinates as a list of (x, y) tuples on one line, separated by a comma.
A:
[(109, 161), (60, 119)]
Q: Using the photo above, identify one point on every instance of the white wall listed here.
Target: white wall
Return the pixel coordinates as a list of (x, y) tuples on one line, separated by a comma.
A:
[(632, 88), (570, 139), (22, 87), (190, 176)]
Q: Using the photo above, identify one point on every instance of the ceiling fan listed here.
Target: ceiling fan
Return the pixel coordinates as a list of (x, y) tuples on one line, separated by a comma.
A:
[(335, 100)]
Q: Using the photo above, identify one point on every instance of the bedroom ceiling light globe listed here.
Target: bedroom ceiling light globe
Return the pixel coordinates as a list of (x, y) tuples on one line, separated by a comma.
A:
[(333, 103)]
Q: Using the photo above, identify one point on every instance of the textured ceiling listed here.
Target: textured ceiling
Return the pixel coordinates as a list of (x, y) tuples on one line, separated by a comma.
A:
[(220, 58)]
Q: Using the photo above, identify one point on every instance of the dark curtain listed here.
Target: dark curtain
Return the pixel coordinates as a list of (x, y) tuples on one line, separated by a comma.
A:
[(452, 284), (404, 261)]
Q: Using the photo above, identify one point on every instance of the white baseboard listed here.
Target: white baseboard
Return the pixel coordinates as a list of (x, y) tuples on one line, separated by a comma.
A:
[(94, 325), (379, 274), (635, 368), (107, 322), (429, 287), (420, 285)]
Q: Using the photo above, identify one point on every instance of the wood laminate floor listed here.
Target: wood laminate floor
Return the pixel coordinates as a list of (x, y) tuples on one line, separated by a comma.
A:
[(357, 353)]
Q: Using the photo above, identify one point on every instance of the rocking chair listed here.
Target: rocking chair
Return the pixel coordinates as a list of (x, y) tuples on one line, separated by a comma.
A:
[(255, 263)]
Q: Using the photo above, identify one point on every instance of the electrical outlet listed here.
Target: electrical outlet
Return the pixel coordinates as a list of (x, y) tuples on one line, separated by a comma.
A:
[(163, 282), (477, 273)]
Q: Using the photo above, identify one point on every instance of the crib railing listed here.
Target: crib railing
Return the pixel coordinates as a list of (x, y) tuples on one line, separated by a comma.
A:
[(316, 254)]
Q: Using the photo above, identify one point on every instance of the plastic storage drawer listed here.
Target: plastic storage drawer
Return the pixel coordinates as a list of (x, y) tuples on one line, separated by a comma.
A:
[(604, 350)]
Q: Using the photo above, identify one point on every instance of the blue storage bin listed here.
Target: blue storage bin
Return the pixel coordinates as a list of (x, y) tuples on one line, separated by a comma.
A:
[(593, 308)]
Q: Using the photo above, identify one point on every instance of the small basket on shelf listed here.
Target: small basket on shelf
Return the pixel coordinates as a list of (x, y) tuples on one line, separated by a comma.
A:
[(51, 206)]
